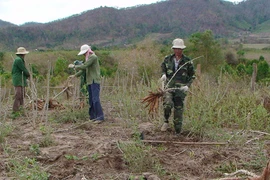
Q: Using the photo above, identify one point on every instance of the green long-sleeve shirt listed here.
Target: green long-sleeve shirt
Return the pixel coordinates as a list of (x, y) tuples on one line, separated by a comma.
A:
[(92, 70), (19, 72)]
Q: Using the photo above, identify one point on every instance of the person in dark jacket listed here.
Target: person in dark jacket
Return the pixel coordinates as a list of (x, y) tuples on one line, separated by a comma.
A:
[(93, 79), (19, 76), (177, 73)]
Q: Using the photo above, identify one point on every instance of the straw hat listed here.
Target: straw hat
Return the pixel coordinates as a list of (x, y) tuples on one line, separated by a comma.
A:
[(22, 50)]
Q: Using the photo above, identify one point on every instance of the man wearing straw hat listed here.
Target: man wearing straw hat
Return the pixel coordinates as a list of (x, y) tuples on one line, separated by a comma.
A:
[(19, 76), (177, 73), (92, 68)]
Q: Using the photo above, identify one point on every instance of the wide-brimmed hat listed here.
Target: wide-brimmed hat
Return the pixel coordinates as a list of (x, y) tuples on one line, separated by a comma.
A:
[(22, 50), (178, 43), (84, 49)]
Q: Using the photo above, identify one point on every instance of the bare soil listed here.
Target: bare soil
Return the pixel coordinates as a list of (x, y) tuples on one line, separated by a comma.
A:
[(91, 151)]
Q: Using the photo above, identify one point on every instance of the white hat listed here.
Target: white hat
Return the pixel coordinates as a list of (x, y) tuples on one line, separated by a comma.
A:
[(178, 43), (84, 49), (22, 50)]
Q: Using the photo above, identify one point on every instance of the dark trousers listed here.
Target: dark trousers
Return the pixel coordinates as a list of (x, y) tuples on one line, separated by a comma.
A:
[(19, 98), (95, 109)]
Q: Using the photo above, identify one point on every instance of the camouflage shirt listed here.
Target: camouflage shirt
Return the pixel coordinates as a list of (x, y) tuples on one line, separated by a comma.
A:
[(184, 76)]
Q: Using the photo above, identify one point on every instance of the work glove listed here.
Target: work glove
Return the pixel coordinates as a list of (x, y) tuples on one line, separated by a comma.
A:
[(184, 88), (71, 66), (163, 78)]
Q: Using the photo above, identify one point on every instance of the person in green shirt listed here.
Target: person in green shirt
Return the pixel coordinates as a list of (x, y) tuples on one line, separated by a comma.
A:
[(19, 75), (93, 79)]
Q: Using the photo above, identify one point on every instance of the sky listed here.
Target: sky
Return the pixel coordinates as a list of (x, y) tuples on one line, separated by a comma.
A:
[(43, 11)]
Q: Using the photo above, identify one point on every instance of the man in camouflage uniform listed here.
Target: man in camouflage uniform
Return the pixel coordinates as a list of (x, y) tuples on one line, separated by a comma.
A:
[(178, 71)]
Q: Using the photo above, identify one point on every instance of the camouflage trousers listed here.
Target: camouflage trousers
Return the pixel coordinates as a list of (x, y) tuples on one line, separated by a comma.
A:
[(174, 100)]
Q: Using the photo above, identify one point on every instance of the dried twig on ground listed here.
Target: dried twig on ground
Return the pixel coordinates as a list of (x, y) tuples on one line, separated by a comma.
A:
[(186, 143)]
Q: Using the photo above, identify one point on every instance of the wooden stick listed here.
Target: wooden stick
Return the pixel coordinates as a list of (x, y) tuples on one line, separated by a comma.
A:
[(60, 92), (260, 132), (186, 143)]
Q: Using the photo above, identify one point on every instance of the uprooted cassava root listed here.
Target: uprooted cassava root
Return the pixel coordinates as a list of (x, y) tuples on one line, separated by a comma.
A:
[(152, 100)]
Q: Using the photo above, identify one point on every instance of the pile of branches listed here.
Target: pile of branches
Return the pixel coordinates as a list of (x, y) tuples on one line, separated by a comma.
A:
[(40, 104)]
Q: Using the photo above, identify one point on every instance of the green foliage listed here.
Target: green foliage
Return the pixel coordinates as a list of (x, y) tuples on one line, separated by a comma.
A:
[(228, 167), (1, 64), (1, 69), (240, 53), (5, 130), (5, 77), (60, 66), (47, 138), (229, 69), (263, 70), (2, 56), (241, 69), (35, 72), (246, 68), (34, 148), (26, 169), (108, 65), (206, 45), (60, 72), (225, 106)]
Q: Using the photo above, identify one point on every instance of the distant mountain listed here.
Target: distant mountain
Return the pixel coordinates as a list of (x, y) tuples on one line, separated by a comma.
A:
[(31, 24), (6, 24), (106, 26)]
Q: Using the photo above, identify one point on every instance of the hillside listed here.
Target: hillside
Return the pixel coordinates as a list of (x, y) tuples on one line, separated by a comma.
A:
[(106, 26)]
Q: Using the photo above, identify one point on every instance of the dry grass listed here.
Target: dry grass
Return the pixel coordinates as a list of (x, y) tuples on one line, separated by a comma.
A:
[(255, 46), (257, 54)]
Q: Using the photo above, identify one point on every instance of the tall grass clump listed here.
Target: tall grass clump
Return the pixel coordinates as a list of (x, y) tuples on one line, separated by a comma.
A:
[(138, 157), (224, 102), (68, 116)]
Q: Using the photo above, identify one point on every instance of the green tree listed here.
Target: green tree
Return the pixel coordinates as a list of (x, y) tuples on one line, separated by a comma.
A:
[(206, 45)]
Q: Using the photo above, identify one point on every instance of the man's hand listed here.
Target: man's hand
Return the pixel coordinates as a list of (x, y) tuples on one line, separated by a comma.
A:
[(71, 66), (184, 88), (163, 78)]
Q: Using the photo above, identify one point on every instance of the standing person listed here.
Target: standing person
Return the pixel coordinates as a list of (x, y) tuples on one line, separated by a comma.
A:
[(19, 76), (93, 78), (178, 71)]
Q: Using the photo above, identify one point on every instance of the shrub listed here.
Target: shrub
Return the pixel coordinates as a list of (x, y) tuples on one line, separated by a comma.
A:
[(230, 58)]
